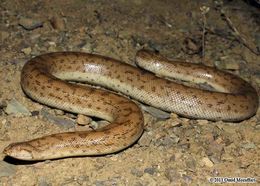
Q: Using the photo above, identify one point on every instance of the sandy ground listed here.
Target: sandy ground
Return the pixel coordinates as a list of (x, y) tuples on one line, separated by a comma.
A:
[(174, 151)]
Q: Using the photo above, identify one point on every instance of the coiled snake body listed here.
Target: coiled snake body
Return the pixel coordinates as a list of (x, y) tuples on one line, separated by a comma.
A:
[(43, 77)]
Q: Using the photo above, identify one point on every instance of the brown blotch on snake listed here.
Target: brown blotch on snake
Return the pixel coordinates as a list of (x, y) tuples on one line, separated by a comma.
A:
[(43, 79)]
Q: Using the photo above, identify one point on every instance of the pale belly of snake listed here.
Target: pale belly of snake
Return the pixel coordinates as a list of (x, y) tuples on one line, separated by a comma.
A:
[(43, 79)]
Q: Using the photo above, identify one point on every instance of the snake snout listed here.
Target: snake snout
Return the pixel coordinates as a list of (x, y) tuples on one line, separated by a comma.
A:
[(18, 151)]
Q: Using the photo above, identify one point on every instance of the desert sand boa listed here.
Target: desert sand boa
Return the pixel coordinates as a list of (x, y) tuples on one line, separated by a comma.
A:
[(43, 78)]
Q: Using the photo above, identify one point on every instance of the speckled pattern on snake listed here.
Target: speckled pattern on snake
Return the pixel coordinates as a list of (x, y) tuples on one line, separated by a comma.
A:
[(43, 79)]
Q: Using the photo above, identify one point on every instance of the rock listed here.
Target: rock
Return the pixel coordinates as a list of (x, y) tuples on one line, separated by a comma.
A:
[(60, 121), (150, 170), (115, 158), (27, 51), (30, 24), (227, 157), (175, 123), (99, 183), (172, 175), (3, 103), (98, 124), (58, 112), (138, 184), (136, 172), (52, 48), (215, 172), (43, 182), (81, 180), (57, 23), (257, 127), (227, 64), (187, 179), (83, 120), (138, 41), (156, 112), (4, 121), (35, 113), (167, 141), (87, 47), (202, 122), (207, 162), (145, 139), (243, 164), (192, 46), (248, 146), (16, 108), (175, 138), (215, 159), (7, 169), (155, 46), (35, 36), (191, 164), (149, 179)]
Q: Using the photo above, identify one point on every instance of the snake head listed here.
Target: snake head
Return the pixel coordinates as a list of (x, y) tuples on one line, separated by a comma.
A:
[(20, 151)]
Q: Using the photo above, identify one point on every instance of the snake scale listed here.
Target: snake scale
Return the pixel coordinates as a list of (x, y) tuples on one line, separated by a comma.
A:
[(43, 79)]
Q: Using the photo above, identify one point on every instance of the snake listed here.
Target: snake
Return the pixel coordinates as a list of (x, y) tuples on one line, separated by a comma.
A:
[(49, 79)]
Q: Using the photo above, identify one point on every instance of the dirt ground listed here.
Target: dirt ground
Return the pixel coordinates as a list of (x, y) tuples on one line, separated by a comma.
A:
[(173, 151)]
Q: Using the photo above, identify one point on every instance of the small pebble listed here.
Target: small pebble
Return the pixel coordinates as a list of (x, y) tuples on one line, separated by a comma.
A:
[(150, 170), (192, 46), (4, 35), (227, 64), (99, 183), (3, 103), (248, 146), (167, 141), (87, 47), (27, 51), (156, 112), (175, 123), (244, 164), (102, 123), (52, 48), (30, 24), (43, 182), (35, 113), (59, 112), (215, 172), (155, 46), (136, 172), (187, 179), (145, 140), (83, 120), (207, 162), (202, 122), (4, 121), (138, 184), (57, 23), (191, 164), (16, 108), (98, 124), (172, 175), (114, 158), (227, 157)]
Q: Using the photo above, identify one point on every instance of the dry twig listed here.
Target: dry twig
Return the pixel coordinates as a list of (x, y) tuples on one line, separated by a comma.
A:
[(204, 10), (235, 32)]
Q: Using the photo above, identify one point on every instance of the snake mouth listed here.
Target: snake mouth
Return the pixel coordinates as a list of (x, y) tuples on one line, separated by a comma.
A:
[(18, 151)]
